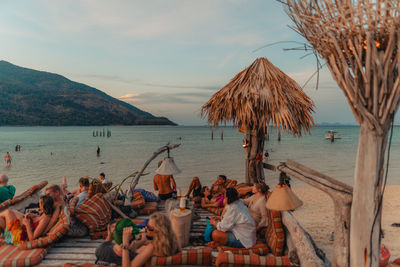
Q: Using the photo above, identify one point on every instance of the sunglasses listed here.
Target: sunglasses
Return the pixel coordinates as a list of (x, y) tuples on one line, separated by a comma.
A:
[(149, 228)]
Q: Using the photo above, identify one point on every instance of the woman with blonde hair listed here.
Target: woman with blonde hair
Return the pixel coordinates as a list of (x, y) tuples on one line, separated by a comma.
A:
[(159, 240)]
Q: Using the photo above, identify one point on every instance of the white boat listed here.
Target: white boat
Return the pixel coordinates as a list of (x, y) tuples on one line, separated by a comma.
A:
[(331, 135)]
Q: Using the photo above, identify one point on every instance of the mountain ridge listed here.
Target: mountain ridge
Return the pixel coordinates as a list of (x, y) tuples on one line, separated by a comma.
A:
[(38, 98)]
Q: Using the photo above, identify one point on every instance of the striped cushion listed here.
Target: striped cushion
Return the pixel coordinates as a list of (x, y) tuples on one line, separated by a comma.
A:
[(216, 211), (95, 213), (231, 184), (259, 249), (60, 229), (190, 257), (13, 256), (228, 259), (23, 196), (96, 186), (148, 208), (138, 201), (275, 234)]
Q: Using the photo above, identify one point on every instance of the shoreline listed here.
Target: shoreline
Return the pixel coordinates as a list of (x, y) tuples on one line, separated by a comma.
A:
[(316, 217)]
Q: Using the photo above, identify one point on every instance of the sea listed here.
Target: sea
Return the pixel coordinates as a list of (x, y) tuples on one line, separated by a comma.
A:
[(48, 153)]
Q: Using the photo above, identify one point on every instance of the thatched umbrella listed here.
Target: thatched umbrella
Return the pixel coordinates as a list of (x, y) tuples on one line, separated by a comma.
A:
[(259, 95), (360, 41)]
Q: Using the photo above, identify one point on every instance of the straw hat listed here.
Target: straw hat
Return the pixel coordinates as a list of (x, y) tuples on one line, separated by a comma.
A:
[(283, 198)]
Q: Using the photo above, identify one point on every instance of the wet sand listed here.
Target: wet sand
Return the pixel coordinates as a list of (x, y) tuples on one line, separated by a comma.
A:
[(316, 216)]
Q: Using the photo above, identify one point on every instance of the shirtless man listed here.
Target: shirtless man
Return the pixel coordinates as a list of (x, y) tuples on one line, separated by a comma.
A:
[(55, 192), (7, 159), (164, 184)]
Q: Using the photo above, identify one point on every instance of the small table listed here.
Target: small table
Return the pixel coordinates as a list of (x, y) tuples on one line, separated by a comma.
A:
[(181, 223)]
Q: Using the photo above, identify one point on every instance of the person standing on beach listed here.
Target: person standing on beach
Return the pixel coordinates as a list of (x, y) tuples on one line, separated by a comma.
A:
[(164, 184), (6, 191), (7, 159)]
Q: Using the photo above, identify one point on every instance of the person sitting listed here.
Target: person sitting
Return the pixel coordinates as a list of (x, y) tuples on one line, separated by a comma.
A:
[(218, 188), (160, 240), (6, 191), (211, 201), (18, 228), (55, 192), (110, 251), (256, 204), (103, 178), (80, 194), (237, 228), (164, 184), (196, 188)]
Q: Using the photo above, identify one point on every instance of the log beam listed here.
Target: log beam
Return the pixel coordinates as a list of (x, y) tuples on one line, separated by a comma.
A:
[(341, 195)]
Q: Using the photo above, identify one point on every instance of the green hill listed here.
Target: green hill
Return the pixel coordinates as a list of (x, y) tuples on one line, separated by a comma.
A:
[(31, 97)]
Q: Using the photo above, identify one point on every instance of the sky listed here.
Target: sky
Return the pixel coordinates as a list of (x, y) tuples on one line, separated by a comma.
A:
[(166, 57)]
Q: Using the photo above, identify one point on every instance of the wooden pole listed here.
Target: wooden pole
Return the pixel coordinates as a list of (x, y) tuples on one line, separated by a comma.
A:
[(140, 172), (341, 195)]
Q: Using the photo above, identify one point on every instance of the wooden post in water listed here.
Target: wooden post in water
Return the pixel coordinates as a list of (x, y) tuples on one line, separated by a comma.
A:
[(222, 134), (212, 134), (279, 136)]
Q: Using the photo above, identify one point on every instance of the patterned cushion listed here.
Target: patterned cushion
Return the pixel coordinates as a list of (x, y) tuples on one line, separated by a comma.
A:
[(148, 208), (231, 184), (23, 196), (259, 249), (190, 257), (138, 201), (98, 235), (13, 256), (228, 259), (95, 213), (275, 234), (96, 186), (60, 229), (216, 211)]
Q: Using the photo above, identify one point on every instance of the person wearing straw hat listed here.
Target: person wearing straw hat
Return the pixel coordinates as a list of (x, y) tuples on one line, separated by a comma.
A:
[(237, 228), (164, 184)]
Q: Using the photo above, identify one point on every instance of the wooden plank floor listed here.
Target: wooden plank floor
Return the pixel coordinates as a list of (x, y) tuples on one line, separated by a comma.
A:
[(75, 250)]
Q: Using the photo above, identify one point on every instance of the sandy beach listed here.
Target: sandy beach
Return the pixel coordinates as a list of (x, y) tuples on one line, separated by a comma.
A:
[(316, 216)]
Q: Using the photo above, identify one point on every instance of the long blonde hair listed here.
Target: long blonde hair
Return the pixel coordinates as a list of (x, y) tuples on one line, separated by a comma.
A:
[(164, 239)]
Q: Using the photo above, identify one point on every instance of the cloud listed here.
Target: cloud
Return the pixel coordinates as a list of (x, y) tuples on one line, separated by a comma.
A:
[(130, 98), (197, 98)]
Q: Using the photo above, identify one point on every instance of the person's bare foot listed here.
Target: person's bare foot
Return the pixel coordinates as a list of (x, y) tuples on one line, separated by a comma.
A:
[(212, 244)]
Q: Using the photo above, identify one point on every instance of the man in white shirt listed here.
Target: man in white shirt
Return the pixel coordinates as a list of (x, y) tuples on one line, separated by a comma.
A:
[(237, 228), (103, 178)]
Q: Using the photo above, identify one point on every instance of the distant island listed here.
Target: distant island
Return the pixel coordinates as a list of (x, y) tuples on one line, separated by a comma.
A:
[(37, 98)]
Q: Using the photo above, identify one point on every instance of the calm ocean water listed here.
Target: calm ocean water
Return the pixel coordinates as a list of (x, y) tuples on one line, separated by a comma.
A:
[(74, 153)]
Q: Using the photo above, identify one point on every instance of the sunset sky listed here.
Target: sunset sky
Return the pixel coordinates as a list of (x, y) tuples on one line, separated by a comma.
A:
[(167, 57)]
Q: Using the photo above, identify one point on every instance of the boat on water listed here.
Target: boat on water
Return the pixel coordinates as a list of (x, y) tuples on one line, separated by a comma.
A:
[(331, 135)]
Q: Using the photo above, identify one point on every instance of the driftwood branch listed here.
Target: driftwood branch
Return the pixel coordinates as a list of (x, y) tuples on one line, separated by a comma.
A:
[(140, 172), (309, 254), (341, 195)]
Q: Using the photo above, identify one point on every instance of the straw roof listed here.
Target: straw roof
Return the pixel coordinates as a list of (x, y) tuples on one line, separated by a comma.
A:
[(258, 95)]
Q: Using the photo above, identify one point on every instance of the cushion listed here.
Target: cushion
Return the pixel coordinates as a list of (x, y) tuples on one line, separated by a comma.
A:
[(60, 229), (78, 229), (96, 187), (259, 249), (275, 234), (148, 208), (138, 201), (189, 257), (23, 196), (13, 256), (231, 184), (95, 213), (228, 259), (98, 235)]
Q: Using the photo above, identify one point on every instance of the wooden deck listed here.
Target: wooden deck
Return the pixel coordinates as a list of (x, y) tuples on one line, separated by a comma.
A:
[(73, 250)]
